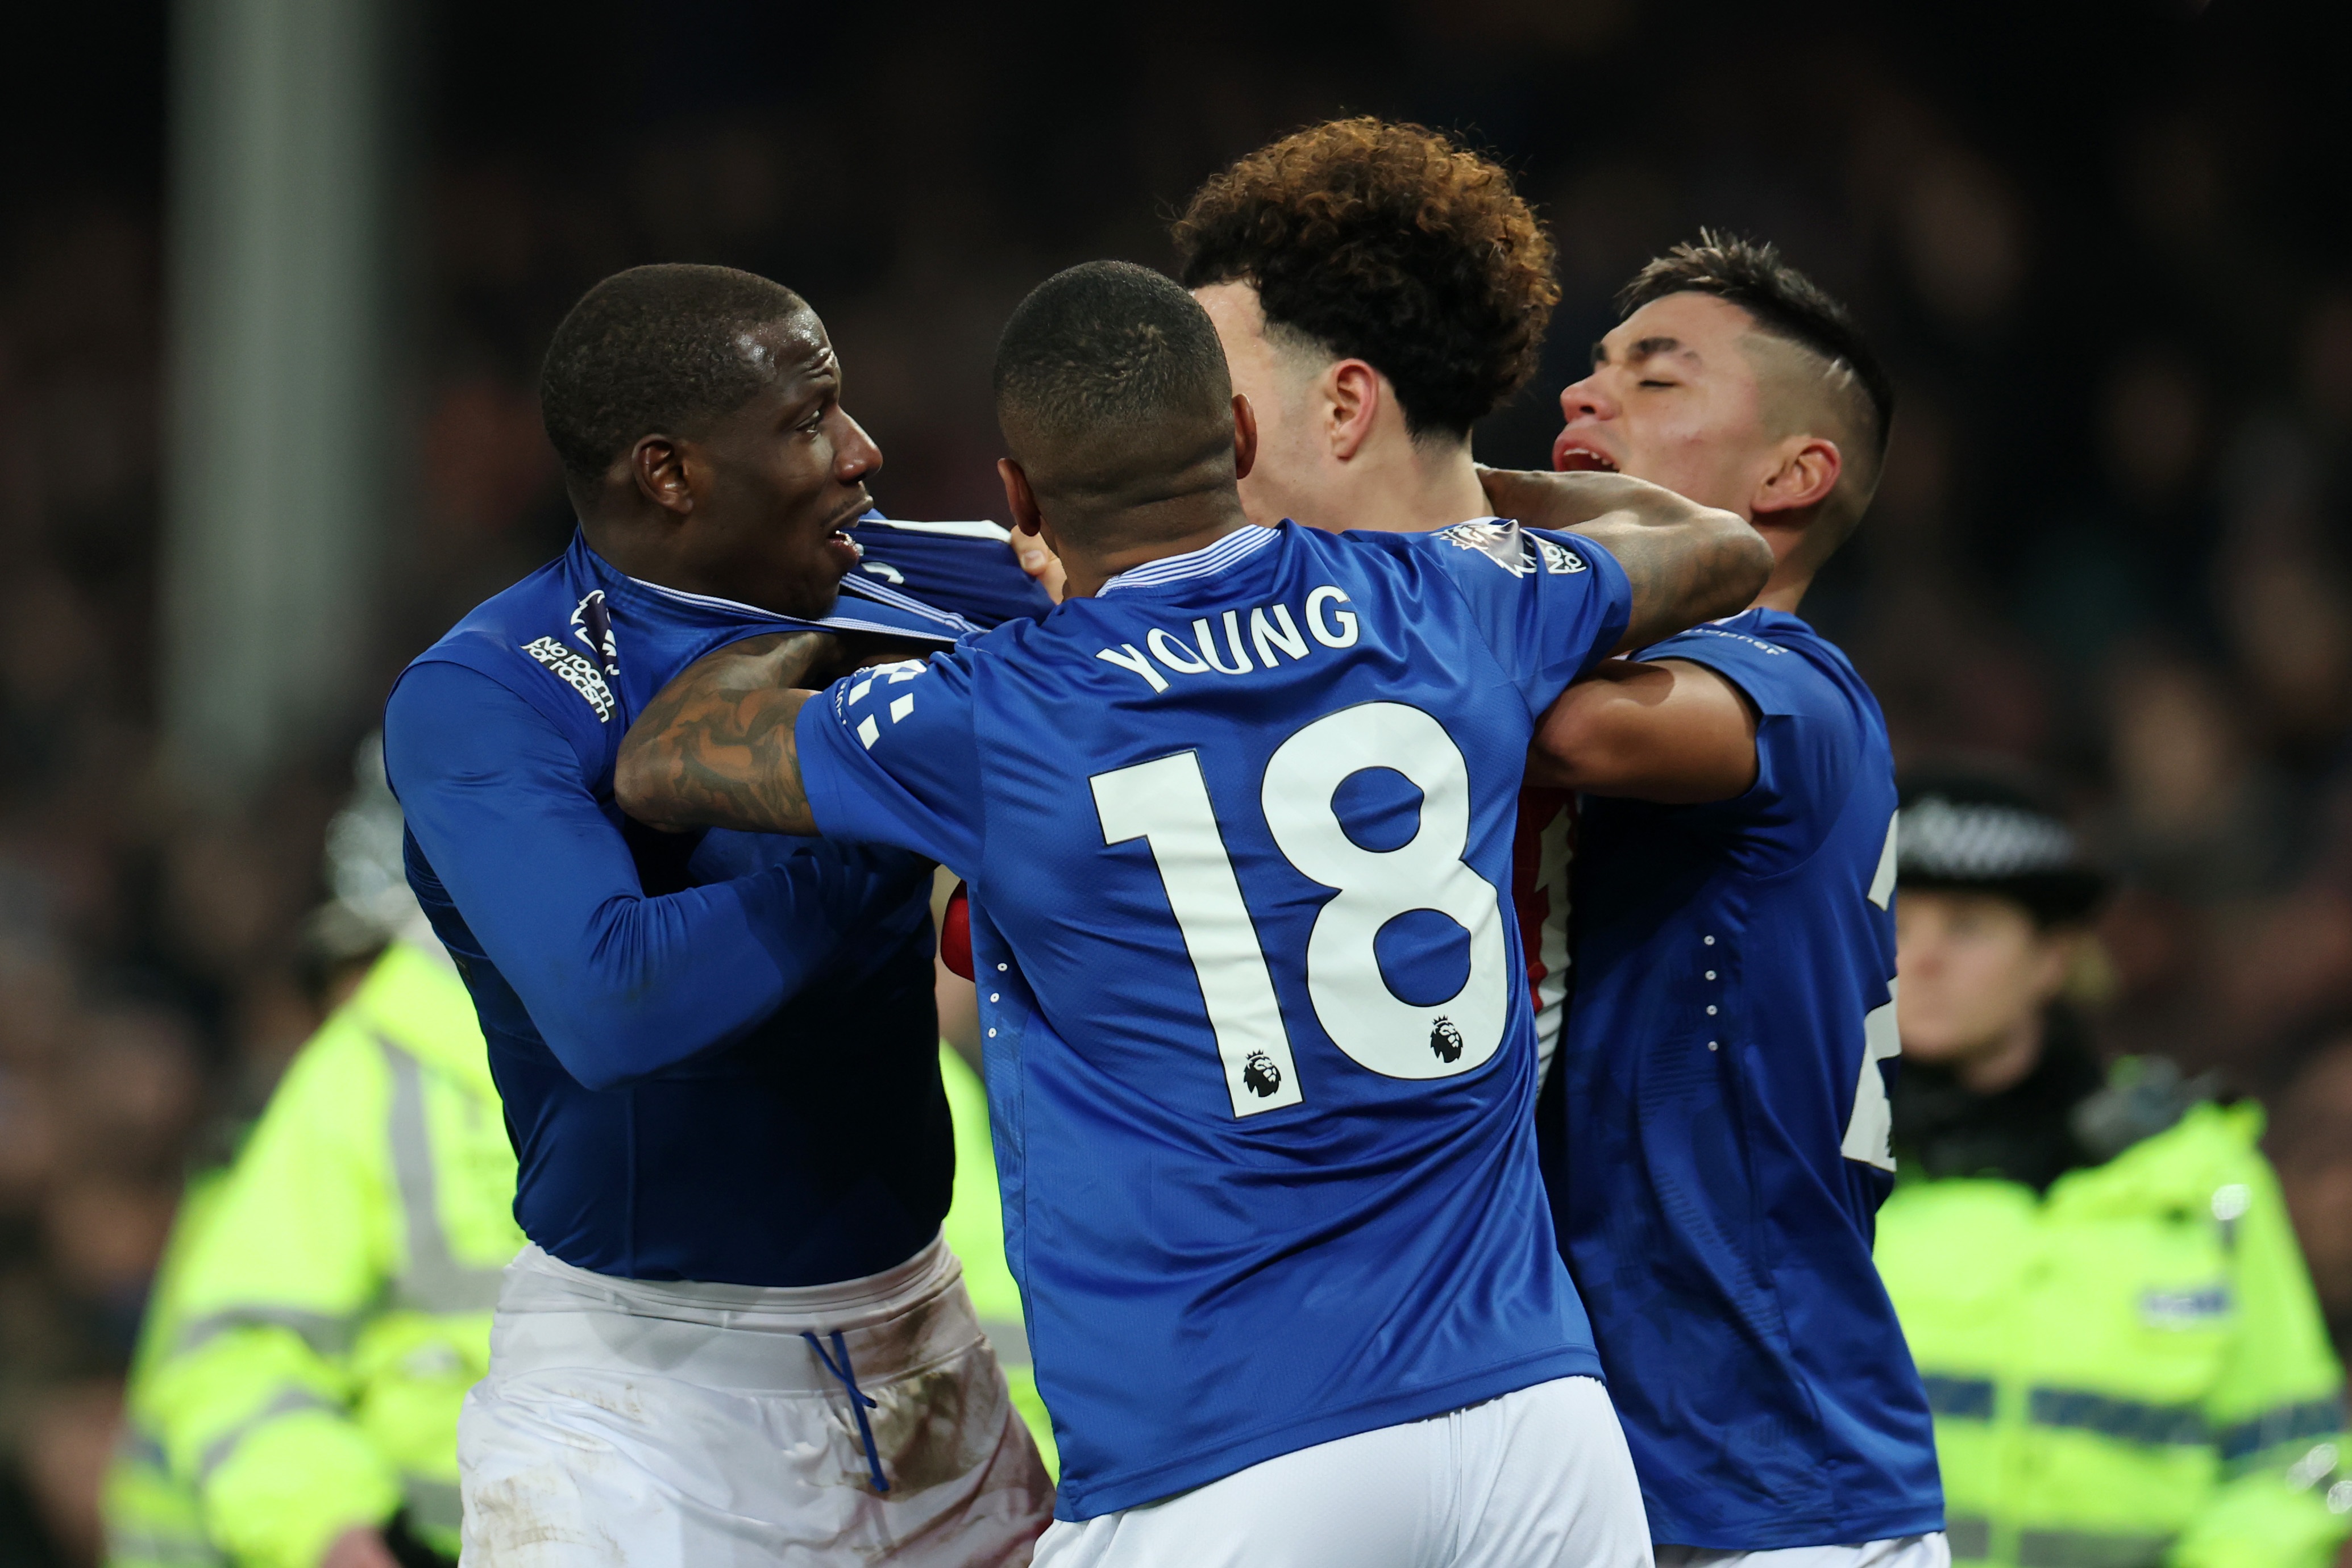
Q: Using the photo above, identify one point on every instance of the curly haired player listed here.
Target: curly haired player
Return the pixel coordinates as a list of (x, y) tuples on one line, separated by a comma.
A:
[(1379, 290), (1376, 290)]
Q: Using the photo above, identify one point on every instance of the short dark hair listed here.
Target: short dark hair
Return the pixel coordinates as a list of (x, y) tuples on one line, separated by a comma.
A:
[(1109, 377), (654, 348), (1387, 243), (1785, 303)]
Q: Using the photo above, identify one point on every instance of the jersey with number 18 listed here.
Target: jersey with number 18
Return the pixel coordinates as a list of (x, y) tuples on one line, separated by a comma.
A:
[(1260, 1055)]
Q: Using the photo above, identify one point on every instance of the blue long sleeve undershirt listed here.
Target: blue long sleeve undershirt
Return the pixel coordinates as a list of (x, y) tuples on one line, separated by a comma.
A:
[(620, 983)]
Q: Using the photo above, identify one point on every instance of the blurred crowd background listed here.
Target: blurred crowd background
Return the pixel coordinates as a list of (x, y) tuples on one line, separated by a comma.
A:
[(2103, 249)]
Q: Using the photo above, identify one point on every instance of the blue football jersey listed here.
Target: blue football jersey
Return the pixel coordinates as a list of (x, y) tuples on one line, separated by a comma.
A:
[(1260, 1054), (966, 567), (1725, 1154)]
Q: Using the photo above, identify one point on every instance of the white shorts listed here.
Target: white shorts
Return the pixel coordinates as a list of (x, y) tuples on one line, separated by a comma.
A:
[(690, 1426), (1905, 1551), (1539, 1479)]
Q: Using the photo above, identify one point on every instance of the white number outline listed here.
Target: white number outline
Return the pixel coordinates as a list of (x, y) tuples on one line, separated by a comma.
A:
[(1165, 802)]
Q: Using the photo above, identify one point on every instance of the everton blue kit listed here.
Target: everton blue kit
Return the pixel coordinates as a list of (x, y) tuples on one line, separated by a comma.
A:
[(695, 1036), (1260, 1050), (966, 565), (1725, 1151)]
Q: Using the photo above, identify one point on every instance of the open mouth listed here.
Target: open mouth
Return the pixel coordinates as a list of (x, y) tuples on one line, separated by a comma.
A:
[(1572, 454), (841, 533)]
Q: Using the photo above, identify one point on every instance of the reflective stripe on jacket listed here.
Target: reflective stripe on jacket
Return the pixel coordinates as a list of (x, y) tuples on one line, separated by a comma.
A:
[(332, 1306), (2130, 1371)]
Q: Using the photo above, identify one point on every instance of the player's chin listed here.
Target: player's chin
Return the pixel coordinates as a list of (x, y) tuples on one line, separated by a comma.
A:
[(809, 589)]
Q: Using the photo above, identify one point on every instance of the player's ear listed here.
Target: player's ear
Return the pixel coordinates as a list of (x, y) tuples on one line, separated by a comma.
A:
[(1808, 471), (658, 464), (1244, 437), (1352, 392), (1019, 498)]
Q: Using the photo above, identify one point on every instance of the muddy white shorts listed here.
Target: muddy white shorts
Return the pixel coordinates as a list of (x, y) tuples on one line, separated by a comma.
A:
[(1904, 1551), (690, 1426), (1539, 1479)]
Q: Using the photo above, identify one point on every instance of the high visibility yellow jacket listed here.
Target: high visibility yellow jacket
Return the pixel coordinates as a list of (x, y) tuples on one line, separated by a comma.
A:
[(153, 1519), (327, 1308), (2129, 1372), (975, 1233)]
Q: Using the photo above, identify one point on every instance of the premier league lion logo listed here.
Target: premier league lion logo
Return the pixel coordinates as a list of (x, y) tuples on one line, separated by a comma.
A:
[(1260, 1075), (1445, 1040)]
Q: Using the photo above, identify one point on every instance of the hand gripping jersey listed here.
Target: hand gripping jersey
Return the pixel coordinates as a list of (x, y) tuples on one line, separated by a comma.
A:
[(968, 567), (1725, 1146), (716, 1051), (1260, 1058)]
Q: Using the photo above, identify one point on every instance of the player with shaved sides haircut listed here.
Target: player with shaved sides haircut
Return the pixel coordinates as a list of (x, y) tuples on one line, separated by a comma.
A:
[(1236, 818), (1732, 374), (1720, 1127)]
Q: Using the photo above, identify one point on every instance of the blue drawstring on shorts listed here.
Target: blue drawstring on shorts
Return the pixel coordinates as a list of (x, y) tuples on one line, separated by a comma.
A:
[(859, 1403)]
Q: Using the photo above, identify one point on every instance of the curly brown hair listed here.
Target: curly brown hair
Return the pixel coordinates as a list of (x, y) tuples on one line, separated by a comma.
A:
[(1388, 243)]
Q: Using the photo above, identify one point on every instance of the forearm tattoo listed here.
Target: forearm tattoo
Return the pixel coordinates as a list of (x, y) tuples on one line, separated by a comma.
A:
[(715, 747)]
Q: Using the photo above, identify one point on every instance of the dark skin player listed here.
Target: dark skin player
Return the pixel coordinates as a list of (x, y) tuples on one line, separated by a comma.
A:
[(749, 505), (755, 506)]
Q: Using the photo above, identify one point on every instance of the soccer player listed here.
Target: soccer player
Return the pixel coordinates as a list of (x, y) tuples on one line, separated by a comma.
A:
[(1236, 817), (736, 1335), (1379, 290), (1724, 1091)]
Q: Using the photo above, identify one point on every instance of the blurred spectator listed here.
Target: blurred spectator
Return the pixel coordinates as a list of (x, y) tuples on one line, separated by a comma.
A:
[(2314, 1165), (327, 1303)]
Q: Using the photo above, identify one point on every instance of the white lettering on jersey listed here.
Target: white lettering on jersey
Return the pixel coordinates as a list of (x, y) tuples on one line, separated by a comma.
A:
[(574, 671), (1340, 631), (1267, 638), (1126, 658), (1557, 560), (1221, 647)]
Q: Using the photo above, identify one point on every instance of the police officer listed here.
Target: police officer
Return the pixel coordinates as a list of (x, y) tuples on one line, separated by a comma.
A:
[(295, 1397), (325, 1302), (2094, 1267)]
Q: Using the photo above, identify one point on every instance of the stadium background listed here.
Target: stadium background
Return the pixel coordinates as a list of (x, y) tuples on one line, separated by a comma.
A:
[(2108, 265)]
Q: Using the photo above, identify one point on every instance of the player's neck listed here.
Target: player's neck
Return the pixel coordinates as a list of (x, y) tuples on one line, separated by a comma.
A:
[(1178, 529), (1792, 574), (1781, 595), (1412, 487)]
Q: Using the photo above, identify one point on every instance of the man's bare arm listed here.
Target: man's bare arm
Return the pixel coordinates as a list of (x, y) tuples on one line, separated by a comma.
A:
[(715, 747), (1687, 563), (1670, 731)]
